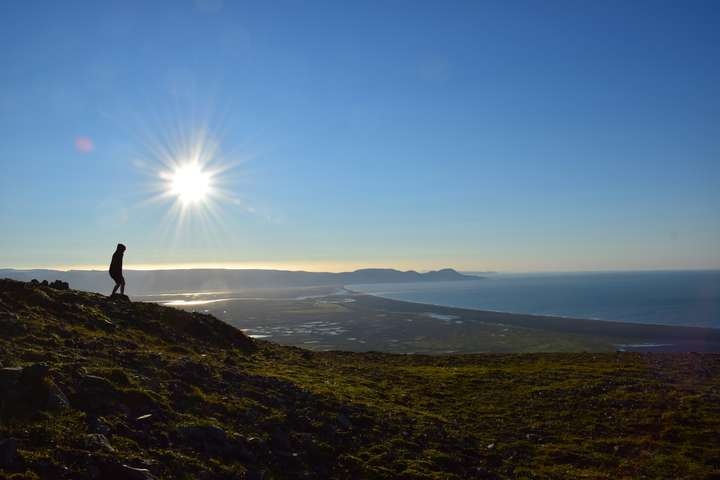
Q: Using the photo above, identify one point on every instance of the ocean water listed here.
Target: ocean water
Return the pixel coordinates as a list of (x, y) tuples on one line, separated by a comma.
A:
[(670, 298)]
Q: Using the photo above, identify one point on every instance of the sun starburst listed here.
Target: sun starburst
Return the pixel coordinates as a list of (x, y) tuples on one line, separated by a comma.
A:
[(190, 183), (190, 174)]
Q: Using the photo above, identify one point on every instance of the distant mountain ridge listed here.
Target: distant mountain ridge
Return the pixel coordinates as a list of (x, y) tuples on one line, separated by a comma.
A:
[(207, 280)]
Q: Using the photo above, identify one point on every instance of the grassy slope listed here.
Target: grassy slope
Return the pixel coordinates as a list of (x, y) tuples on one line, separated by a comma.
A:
[(291, 413)]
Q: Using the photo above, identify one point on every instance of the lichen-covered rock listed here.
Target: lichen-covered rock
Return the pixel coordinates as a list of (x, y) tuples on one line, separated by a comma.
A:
[(57, 400)]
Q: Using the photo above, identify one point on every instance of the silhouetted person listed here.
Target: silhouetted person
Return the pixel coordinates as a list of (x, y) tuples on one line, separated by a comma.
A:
[(116, 269)]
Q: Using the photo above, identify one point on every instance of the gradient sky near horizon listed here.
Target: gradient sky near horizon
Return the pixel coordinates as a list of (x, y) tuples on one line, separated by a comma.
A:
[(508, 135)]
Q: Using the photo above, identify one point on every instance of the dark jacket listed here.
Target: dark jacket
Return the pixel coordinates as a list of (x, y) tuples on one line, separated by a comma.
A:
[(116, 263)]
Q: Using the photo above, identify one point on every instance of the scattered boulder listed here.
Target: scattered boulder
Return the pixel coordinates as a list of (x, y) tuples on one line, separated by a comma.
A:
[(97, 441), (96, 384), (60, 285), (193, 372), (57, 400), (97, 424), (29, 389), (94, 394)]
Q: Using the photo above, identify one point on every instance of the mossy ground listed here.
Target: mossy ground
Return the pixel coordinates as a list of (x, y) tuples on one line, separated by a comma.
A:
[(301, 414)]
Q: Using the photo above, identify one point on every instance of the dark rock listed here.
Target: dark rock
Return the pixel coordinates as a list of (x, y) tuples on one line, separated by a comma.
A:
[(132, 473), (28, 390), (162, 439), (97, 441), (120, 297), (279, 439), (10, 325), (59, 285), (97, 425), (113, 470), (206, 438), (57, 400), (255, 442), (47, 469), (344, 421), (89, 467), (253, 474), (35, 372), (194, 372), (95, 383), (96, 395), (8, 452)]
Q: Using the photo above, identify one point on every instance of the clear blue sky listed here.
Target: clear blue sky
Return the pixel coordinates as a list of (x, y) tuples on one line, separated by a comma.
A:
[(509, 135)]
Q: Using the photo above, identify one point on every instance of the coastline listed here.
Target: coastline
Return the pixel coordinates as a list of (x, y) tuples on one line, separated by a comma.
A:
[(658, 298), (652, 337), (544, 315), (340, 318)]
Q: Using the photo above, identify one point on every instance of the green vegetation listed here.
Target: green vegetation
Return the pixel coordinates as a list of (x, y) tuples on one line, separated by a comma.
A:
[(178, 395)]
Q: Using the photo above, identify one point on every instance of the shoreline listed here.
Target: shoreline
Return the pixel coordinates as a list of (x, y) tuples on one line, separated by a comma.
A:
[(548, 315), (336, 317), (654, 337)]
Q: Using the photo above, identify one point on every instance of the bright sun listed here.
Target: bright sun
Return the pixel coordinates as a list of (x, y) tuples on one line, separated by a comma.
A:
[(190, 183), (190, 174)]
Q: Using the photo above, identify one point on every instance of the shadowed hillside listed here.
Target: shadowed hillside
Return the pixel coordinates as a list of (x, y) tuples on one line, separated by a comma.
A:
[(93, 388)]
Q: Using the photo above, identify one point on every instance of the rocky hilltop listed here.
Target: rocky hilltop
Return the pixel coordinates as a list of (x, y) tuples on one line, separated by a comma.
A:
[(99, 388)]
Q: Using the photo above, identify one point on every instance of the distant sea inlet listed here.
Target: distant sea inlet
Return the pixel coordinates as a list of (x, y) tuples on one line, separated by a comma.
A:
[(690, 298)]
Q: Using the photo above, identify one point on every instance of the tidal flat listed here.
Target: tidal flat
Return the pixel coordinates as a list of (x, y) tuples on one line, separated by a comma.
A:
[(334, 318)]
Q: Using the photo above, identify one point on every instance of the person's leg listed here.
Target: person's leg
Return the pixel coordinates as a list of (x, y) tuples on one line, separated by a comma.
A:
[(117, 285), (122, 285)]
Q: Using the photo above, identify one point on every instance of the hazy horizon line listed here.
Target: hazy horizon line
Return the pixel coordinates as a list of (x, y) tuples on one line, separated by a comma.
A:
[(310, 269)]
